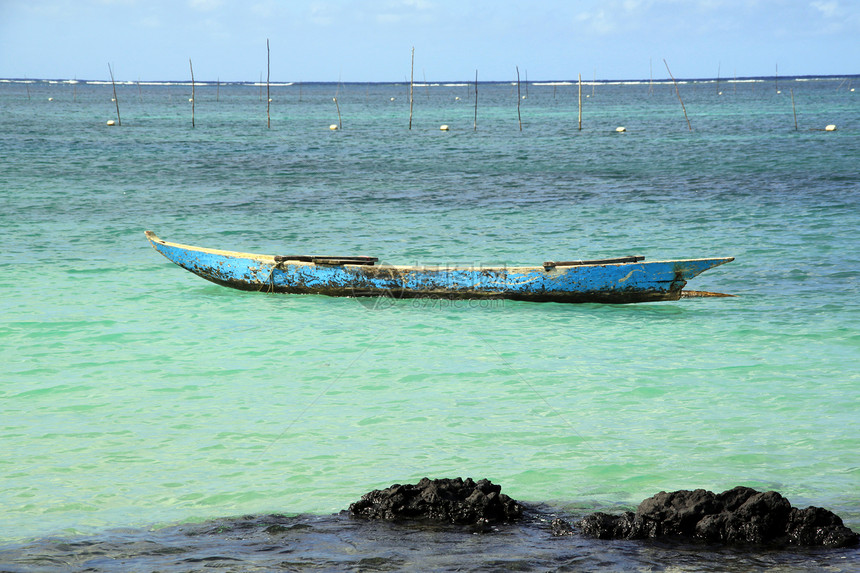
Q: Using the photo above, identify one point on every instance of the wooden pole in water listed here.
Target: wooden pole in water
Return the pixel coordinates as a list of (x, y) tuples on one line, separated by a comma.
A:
[(476, 99), (339, 123), (650, 76), (519, 117), (580, 102), (411, 87), (678, 93), (193, 94), (268, 73), (718, 77), (218, 89), (116, 101), (791, 91)]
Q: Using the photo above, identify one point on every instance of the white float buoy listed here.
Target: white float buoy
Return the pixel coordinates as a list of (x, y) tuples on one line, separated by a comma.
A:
[(191, 99), (333, 127), (830, 127), (443, 127), (620, 129), (392, 99), (111, 122), (50, 99), (457, 98)]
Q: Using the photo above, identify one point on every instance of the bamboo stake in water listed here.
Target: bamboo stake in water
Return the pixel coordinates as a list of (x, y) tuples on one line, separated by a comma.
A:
[(476, 100), (718, 77), (650, 77), (268, 72), (791, 91), (580, 102), (116, 101), (678, 93), (411, 86), (519, 117), (193, 94), (339, 123)]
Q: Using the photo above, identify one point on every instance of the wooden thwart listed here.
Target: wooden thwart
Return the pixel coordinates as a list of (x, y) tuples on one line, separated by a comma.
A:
[(327, 260), (631, 259)]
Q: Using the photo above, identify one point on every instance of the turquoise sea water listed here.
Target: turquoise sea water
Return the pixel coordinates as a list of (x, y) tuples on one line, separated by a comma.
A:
[(135, 394)]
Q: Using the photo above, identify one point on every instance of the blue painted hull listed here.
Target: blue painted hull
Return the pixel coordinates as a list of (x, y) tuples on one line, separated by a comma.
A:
[(609, 283)]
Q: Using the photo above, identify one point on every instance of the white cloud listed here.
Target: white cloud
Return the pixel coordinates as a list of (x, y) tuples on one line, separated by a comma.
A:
[(417, 4), (597, 21), (402, 11), (205, 5), (828, 9), (322, 13)]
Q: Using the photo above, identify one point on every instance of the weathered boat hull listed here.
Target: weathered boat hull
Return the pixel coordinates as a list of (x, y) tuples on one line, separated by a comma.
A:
[(608, 283)]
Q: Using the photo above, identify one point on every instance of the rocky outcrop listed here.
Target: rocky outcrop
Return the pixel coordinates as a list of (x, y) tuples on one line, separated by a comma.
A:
[(443, 500), (738, 516)]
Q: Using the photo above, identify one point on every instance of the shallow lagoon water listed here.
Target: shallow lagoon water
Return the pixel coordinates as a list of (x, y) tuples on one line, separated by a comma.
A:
[(135, 395)]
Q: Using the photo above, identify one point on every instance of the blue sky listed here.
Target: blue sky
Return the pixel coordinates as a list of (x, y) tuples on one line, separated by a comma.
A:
[(370, 40)]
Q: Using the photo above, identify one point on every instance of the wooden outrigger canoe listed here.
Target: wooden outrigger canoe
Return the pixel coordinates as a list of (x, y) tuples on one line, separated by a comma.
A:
[(621, 280)]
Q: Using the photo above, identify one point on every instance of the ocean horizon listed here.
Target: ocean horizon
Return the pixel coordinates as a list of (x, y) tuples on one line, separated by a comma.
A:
[(423, 82)]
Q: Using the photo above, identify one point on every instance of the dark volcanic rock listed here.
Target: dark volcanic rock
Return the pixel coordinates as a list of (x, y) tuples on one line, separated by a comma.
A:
[(816, 526), (737, 516), (560, 527), (606, 526), (444, 500)]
